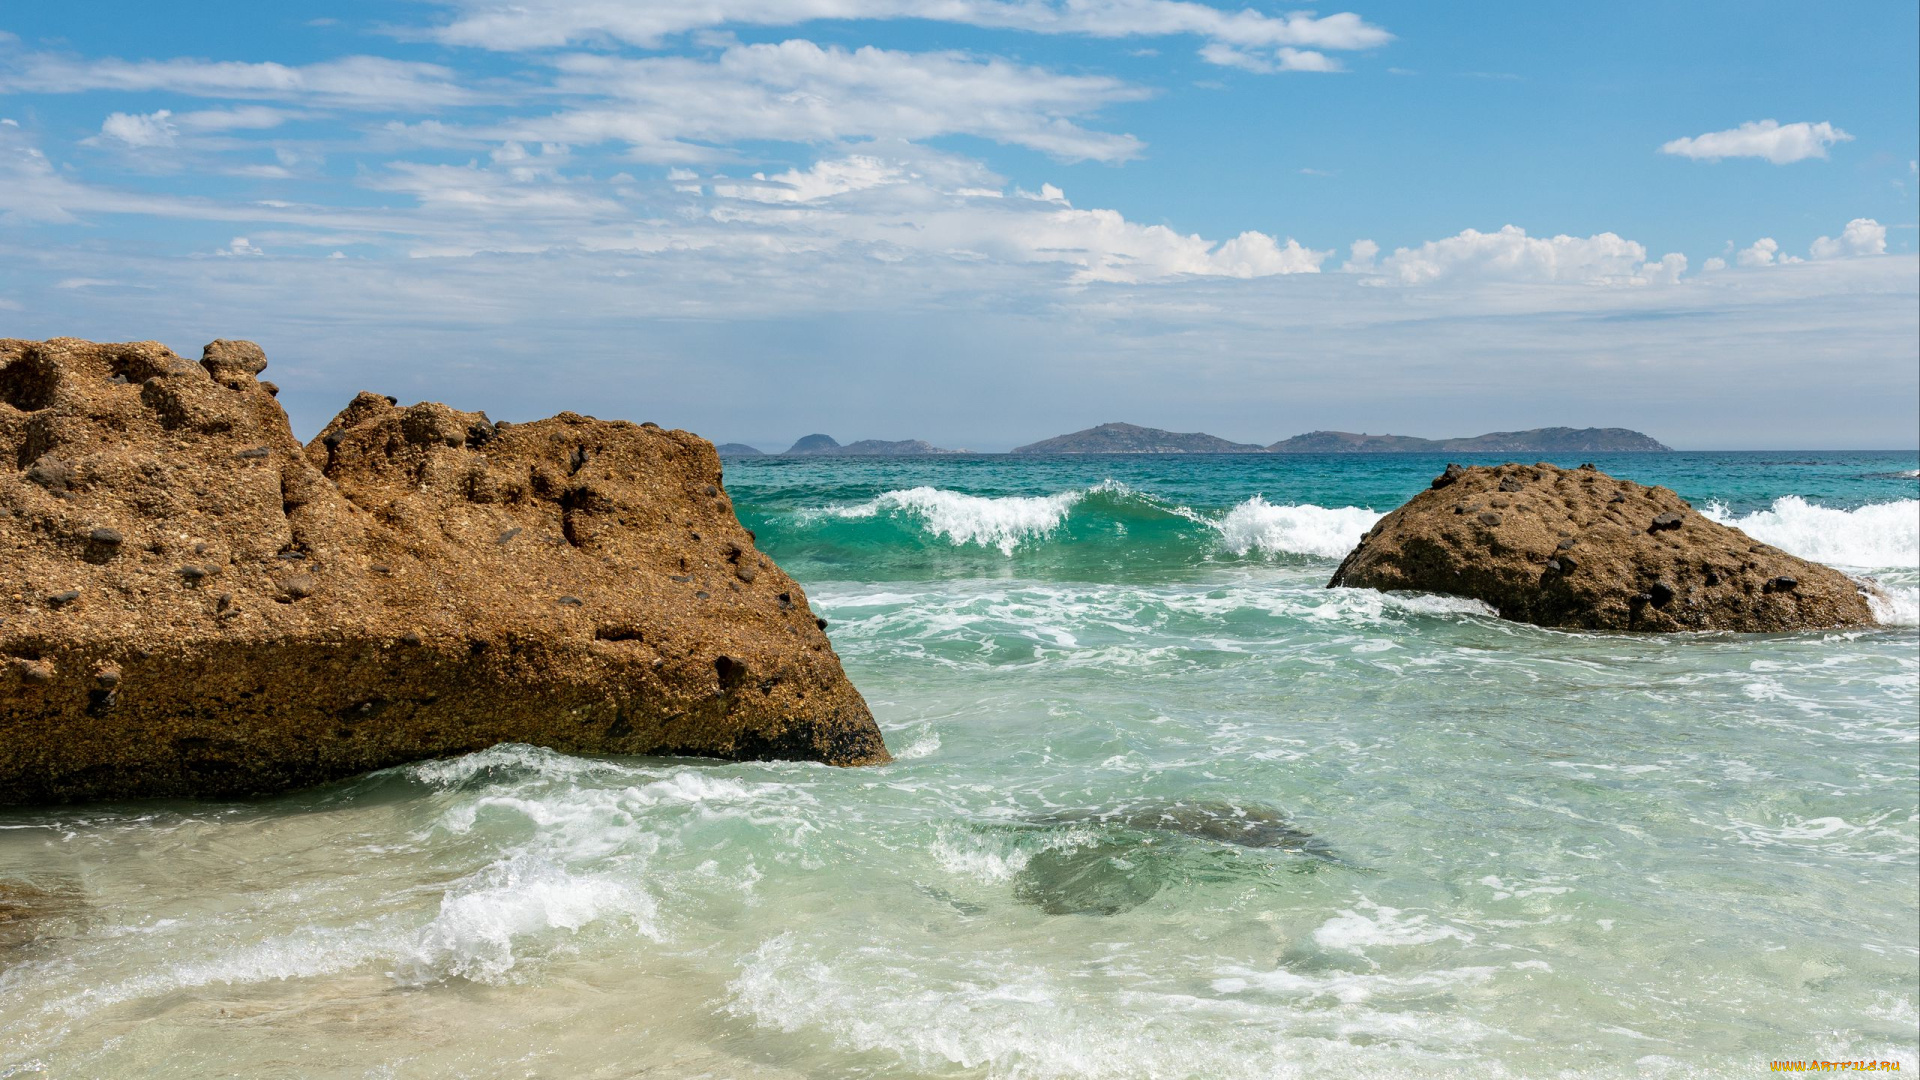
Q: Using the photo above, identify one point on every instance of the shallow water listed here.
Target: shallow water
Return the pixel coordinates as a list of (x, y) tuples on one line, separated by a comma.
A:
[(1164, 807)]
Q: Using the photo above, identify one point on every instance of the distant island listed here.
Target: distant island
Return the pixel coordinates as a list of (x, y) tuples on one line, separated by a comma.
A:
[(1552, 440), (1134, 439), (825, 446), (1119, 438)]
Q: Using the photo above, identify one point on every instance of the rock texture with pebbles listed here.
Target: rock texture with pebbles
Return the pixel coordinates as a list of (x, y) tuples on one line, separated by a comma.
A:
[(1577, 548), (193, 603)]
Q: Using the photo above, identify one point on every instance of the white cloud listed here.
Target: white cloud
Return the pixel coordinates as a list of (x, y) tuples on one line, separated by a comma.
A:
[(517, 25), (1769, 139), (672, 109), (1361, 256), (1281, 59), (1511, 255), (1713, 264), (162, 128), (152, 129), (1862, 236), (1764, 252), (359, 82)]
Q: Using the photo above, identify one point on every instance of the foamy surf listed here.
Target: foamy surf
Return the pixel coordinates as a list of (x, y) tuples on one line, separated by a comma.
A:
[(1105, 511), (1876, 536)]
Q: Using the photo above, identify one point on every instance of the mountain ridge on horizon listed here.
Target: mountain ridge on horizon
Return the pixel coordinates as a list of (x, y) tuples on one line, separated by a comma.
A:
[(1124, 438)]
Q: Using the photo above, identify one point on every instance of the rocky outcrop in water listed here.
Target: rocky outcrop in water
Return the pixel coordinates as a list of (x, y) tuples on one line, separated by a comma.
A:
[(196, 604), (1577, 548)]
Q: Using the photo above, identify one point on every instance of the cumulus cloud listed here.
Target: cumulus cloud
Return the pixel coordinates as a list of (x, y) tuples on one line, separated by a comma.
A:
[(1862, 236), (1764, 252), (1769, 139), (1511, 255), (518, 25)]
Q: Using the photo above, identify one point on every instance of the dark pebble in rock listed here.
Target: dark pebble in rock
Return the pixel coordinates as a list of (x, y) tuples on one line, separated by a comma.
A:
[(1510, 484), (109, 676), (570, 601), (1588, 466), (1453, 473), (703, 595), (61, 599), (381, 568), (1565, 545), (1660, 594), (224, 601), (696, 536), (680, 577), (508, 535), (1783, 583), (410, 638), (1488, 519), (745, 573), (34, 671), (254, 452), (1666, 521), (109, 537), (785, 601), (819, 622), (712, 491), (1617, 498), (193, 573), (1553, 565), (298, 587)]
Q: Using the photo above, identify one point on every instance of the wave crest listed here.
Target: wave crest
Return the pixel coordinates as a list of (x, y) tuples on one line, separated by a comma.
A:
[(1876, 536), (1294, 529), (1106, 511)]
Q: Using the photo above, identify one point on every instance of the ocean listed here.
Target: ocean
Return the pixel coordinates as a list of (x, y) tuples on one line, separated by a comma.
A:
[(1164, 806)]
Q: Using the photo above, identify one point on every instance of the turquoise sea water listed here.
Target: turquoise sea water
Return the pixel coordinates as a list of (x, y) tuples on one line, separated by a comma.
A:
[(1164, 807)]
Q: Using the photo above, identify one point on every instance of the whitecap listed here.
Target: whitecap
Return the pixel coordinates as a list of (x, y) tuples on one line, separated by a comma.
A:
[(1294, 528), (1874, 536)]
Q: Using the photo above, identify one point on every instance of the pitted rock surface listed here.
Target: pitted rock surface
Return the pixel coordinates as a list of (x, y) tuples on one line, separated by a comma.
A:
[(1577, 548), (193, 603)]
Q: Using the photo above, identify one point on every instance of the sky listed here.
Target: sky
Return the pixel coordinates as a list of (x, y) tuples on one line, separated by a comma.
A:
[(986, 222)]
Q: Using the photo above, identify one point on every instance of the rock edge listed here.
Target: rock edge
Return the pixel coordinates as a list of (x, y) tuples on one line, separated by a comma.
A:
[(195, 604), (1578, 549)]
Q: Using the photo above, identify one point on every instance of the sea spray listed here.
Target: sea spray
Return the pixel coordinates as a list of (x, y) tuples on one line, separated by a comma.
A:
[(1868, 537)]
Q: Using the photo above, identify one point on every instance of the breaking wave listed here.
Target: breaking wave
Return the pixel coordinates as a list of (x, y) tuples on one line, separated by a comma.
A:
[(1106, 512), (1875, 536)]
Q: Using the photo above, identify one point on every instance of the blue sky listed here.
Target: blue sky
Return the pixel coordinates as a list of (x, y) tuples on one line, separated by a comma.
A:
[(982, 222)]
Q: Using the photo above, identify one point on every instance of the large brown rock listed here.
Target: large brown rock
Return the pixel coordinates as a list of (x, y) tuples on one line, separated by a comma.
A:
[(1577, 548), (192, 603)]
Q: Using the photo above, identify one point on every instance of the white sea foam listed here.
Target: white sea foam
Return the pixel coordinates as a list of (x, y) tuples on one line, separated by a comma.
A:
[(961, 519), (483, 917), (1368, 924), (1006, 522), (1294, 529), (1876, 536)]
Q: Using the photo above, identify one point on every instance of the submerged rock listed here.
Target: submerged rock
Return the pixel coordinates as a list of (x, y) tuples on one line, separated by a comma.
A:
[(1134, 852), (416, 582), (1577, 548)]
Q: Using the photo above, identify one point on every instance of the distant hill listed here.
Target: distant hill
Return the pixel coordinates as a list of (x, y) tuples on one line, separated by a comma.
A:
[(825, 446), (1134, 439), (736, 449), (1553, 440), (814, 444)]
